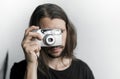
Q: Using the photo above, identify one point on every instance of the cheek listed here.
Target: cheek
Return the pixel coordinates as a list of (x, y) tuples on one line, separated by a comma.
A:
[(64, 36)]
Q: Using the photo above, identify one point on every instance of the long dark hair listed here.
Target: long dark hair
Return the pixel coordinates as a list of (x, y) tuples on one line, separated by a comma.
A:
[(54, 11)]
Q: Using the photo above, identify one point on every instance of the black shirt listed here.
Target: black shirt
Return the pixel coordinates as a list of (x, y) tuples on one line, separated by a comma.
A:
[(77, 70)]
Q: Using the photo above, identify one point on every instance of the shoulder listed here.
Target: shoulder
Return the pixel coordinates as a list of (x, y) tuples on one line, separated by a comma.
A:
[(19, 65), (80, 63), (18, 70), (84, 68)]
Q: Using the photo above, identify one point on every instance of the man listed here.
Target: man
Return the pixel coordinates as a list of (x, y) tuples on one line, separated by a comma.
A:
[(50, 62)]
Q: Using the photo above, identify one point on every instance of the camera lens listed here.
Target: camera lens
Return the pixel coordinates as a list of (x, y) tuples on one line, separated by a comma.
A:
[(49, 39)]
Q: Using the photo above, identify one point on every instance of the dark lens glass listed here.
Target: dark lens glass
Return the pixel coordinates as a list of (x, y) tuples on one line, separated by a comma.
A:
[(50, 39)]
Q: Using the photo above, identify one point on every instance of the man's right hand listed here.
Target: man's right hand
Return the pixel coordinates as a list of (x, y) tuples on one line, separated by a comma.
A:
[(30, 46)]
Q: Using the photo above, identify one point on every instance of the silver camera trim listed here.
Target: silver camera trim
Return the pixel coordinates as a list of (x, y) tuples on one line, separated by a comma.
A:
[(55, 34)]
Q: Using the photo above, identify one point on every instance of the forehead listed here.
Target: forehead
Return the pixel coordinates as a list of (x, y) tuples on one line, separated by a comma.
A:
[(52, 23)]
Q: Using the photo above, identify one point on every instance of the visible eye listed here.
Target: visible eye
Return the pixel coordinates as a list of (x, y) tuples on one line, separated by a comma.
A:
[(62, 30)]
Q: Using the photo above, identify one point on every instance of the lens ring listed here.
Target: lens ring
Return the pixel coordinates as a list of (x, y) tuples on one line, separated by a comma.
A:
[(50, 40)]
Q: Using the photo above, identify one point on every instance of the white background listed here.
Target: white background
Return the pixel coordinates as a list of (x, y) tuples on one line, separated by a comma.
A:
[(98, 28)]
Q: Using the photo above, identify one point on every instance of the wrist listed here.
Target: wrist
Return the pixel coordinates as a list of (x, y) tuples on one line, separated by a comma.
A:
[(31, 71), (32, 64)]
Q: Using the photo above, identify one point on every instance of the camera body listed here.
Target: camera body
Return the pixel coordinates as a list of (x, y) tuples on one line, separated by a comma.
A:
[(50, 37)]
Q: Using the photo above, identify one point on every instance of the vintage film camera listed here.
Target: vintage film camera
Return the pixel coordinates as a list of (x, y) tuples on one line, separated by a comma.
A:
[(50, 37)]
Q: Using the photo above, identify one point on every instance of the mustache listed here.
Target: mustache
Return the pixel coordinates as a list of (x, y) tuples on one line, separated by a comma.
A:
[(52, 47), (61, 46)]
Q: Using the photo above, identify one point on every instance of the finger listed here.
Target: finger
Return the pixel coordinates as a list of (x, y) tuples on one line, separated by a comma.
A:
[(32, 35), (30, 29), (34, 43), (33, 47), (38, 53)]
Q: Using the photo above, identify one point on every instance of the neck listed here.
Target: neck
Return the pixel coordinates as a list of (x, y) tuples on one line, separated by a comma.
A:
[(59, 63)]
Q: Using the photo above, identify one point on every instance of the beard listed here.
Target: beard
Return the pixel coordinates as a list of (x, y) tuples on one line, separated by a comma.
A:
[(48, 52), (53, 56)]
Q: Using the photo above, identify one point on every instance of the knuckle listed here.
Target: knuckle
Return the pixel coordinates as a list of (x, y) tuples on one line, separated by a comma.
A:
[(29, 34), (26, 30), (24, 46), (22, 43), (32, 26)]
